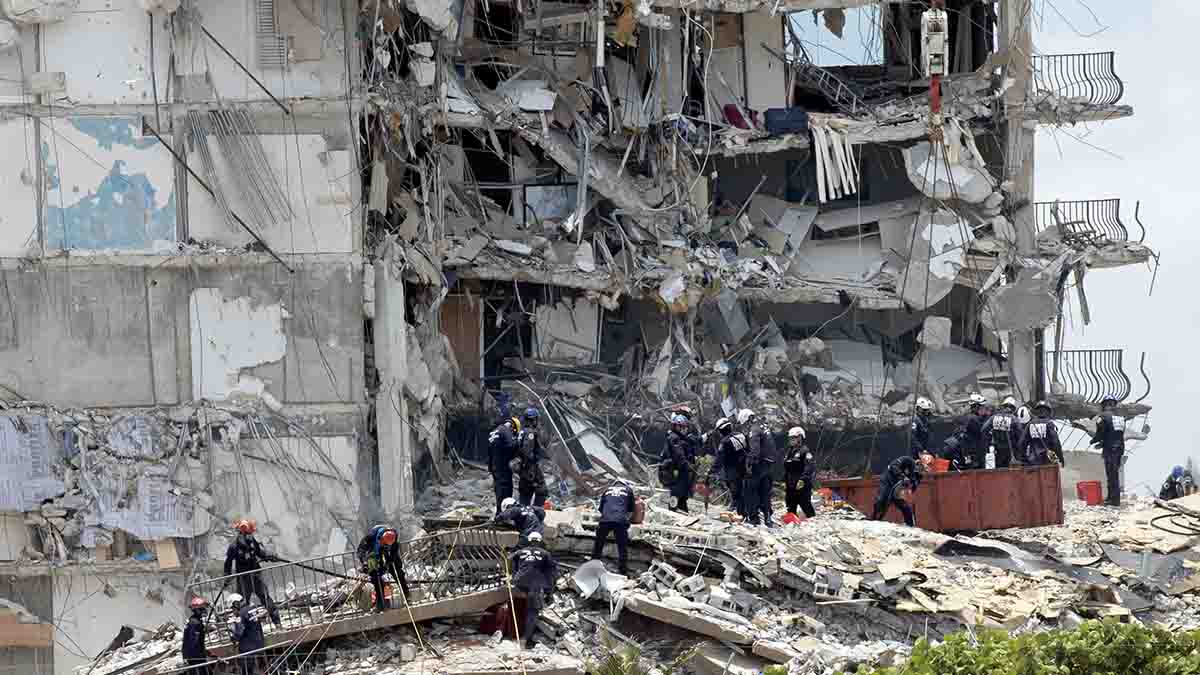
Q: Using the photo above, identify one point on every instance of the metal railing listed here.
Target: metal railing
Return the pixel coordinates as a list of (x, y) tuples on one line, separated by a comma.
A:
[(1089, 373), (1090, 78), (1089, 219), (331, 588)]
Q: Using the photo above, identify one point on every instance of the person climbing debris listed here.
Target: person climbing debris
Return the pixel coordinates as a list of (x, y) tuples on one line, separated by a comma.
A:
[(616, 507), (531, 488), (798, 472), (195, 637), (245, 557), (379, 554), (896, 486), (525, 518), (502, 449), (535, 573)]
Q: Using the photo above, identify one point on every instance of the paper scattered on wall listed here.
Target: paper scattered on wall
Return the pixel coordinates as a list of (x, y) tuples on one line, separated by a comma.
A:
[(26, 460)]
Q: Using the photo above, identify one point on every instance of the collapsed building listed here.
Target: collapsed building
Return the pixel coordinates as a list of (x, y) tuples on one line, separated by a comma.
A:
[(290, 260)]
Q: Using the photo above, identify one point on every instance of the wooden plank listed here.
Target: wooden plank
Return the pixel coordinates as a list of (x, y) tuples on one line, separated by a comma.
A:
[(168, 556), (27, 635)]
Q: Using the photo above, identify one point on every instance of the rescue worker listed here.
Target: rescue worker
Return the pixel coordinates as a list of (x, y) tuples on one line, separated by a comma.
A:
[(760, 461), (616, 506), (896, 484), (953, 450), (195, 634), (1003, 430), (1039, 440), (534, 572), (379, 554), (971, 432), (730, 448), (527, 519), (918, 435), (676, 460), (247, 632), (502, 448), (532, 487), (798, 472), (246, 555), (1110, 438), (1178, 484)]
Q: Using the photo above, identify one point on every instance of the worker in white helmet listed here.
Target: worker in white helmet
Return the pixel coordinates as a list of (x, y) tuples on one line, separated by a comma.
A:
[(1003, 431), (919, 433), (798, 473)]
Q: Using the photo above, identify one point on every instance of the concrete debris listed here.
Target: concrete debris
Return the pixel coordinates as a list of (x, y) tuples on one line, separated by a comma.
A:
[(35, 12), (1030, 302)]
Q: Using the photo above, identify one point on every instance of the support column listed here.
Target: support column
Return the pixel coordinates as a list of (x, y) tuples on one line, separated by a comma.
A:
[(391, 405), (1024, 347)]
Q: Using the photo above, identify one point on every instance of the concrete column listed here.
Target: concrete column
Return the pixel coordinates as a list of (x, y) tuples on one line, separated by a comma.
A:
[(1017, 42), (391, 405)]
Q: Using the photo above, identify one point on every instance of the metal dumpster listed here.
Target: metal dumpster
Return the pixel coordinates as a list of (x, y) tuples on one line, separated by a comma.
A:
[(955, 501)]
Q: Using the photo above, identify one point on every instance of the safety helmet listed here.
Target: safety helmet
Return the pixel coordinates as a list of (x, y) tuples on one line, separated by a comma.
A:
[(246, 526), (724, 424), (976, 400), (796, 432), (745, 415), (682, 409), (1177, 472), (1043, 404), (1108, 400), (532, 413), (1009, 402), (387, 537), (507, 502), (516, 423), (924, 404), (535, 536), (198, 603), (235, 599), (676, 418)]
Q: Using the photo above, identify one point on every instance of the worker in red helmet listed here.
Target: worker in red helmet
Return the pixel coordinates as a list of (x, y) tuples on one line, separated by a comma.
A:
[(245, 557), (379, 553), (195, 652)]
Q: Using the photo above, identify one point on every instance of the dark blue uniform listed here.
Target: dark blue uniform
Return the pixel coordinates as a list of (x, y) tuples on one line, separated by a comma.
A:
[(379, 559), (900, 470), (532, 486), (918, 436), (246, 554), (248, 634), (677, 459), (195, 650), (1003, 430), (616, 506), (973, 443), (1038, 440), (799, 467), (527, 520), (535, 574), (502, 447), (731, 457), (760, 460), (1110, 436)]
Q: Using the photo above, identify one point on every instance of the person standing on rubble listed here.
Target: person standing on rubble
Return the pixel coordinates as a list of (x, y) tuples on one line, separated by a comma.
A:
[(502, 448), (919, 433), (379, 554), (760, 461), (799, 470), (1110, 438), (527, 519), (195, 634), (246, 628), (896, 485), (245, 557), (676, 460), (534, 572), (1039, 440), (1178, 484), (616, 507), (730, 447), (1003, 430), (971, 434), (532, 487)]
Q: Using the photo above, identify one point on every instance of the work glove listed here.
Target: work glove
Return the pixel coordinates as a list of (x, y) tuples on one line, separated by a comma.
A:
[(800, 484)]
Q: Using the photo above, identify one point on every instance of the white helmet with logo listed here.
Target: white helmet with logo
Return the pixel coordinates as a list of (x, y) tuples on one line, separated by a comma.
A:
[(977, 399), (723, 424), (1010, 401), (235, 599), (924, 404), (745, 415), (796, 432)]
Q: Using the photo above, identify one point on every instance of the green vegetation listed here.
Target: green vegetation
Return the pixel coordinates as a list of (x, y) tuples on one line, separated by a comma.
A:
[(1095, 648)]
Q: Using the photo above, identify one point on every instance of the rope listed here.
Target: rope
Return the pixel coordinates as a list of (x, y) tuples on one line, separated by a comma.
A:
[(512, 606)]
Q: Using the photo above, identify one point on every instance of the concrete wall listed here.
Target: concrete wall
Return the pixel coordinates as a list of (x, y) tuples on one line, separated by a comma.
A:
[(91, 609), (1081, 466)]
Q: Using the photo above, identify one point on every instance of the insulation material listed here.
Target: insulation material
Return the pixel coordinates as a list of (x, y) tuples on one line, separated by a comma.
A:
[(837, 168), (938, 250), (568, 330), (228, 336), (144, 502)]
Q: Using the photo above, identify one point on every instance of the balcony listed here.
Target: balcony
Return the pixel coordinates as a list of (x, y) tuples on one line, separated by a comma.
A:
[(1069, 88), (1091, 221)]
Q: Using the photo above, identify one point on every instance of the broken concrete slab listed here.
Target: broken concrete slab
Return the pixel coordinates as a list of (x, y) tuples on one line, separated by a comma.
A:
[(681, 615), (935, 332)]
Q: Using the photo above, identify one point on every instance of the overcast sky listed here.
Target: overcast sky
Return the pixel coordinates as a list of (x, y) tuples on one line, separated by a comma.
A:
[(1151, 157)]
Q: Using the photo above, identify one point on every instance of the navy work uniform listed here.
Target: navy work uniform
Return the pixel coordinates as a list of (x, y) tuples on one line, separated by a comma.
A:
[(616, 506), (901, 470), (502, 447), (535, 574), (1110, 437)]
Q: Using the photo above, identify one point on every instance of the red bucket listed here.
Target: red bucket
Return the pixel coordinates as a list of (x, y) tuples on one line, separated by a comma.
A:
[(1089, 491), (940, 465)]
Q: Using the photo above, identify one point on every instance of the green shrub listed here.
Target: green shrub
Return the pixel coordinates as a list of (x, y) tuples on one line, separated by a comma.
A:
[(1095, 648)]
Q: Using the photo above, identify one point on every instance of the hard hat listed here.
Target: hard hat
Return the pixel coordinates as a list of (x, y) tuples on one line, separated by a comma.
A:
[(1011, 402), (388, 537), (924, 404), (235, 599), (745, 415), (516, 424), (1177, 472), (796, 432), (535, 536), (507, 502), (683, 409), (723, 424), (676, 418), (245, 526), (198, 603), (532, 413), (1108, 399), (976, 399), (1042, 404)]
